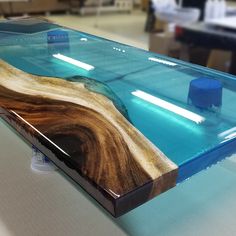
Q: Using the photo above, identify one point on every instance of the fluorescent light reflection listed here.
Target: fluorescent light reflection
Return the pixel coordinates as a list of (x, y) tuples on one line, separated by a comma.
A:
[(74, 62), (227, 133), (169, 106), (231, 136), (39, 132), (165, 62), (84, 39), (197, 130), (119, 49)]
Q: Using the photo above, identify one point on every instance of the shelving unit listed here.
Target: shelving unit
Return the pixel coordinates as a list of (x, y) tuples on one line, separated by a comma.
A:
[(22, 7), (97, 7)]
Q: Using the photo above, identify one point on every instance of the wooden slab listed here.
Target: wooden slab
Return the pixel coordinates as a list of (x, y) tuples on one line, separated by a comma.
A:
[(87, 133)]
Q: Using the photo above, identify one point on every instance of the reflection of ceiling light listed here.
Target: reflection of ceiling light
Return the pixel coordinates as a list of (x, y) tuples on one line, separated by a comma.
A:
[(84, 39), (228, 133), (31, 126), (169, 63), (74, 62), (118, 49), (169, 106), (231, 136)]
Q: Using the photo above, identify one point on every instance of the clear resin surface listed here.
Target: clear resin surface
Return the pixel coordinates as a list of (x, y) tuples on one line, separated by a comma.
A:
[(188, 112)]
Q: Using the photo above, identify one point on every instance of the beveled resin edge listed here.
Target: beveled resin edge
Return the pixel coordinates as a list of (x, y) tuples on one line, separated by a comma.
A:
[(143, 171)]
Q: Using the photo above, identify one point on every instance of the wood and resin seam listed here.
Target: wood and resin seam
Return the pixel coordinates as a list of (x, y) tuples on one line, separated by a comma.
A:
[(92, 136)]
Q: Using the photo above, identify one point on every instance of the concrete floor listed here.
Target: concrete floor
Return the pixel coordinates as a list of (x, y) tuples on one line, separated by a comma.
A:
[(123, 27)]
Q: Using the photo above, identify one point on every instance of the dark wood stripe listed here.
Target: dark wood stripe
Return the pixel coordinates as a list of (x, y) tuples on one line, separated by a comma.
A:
[(97, 149)]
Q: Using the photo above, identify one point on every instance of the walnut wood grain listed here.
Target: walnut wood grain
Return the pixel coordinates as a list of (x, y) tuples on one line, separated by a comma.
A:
[(87, 136)]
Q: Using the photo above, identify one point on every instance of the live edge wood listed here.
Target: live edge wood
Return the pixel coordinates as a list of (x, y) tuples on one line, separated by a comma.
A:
[(85, 135)]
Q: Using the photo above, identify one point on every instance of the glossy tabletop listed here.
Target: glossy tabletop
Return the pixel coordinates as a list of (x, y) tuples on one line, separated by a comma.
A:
[(196, 207), (151, 91)]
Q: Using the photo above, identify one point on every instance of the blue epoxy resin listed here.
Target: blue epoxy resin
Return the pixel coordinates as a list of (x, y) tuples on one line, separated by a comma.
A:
[(58, 41), (187, 111)]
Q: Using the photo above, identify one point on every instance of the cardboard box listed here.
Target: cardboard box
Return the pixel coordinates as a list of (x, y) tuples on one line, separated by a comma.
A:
[(144, 5), (219, 60), (164, 43)]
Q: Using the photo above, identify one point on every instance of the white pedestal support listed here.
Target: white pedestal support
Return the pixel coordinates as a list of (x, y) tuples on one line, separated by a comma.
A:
[(40, 162)]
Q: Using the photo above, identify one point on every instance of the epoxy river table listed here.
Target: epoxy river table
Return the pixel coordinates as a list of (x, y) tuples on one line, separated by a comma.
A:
[(124, 123)]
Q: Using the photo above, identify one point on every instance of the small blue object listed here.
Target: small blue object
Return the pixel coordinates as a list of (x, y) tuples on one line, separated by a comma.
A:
[(58, 41), (205, 93), (40, 162), (57, 36)]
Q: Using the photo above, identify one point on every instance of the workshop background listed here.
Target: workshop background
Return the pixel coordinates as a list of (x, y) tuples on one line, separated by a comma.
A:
[(199, 31)]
